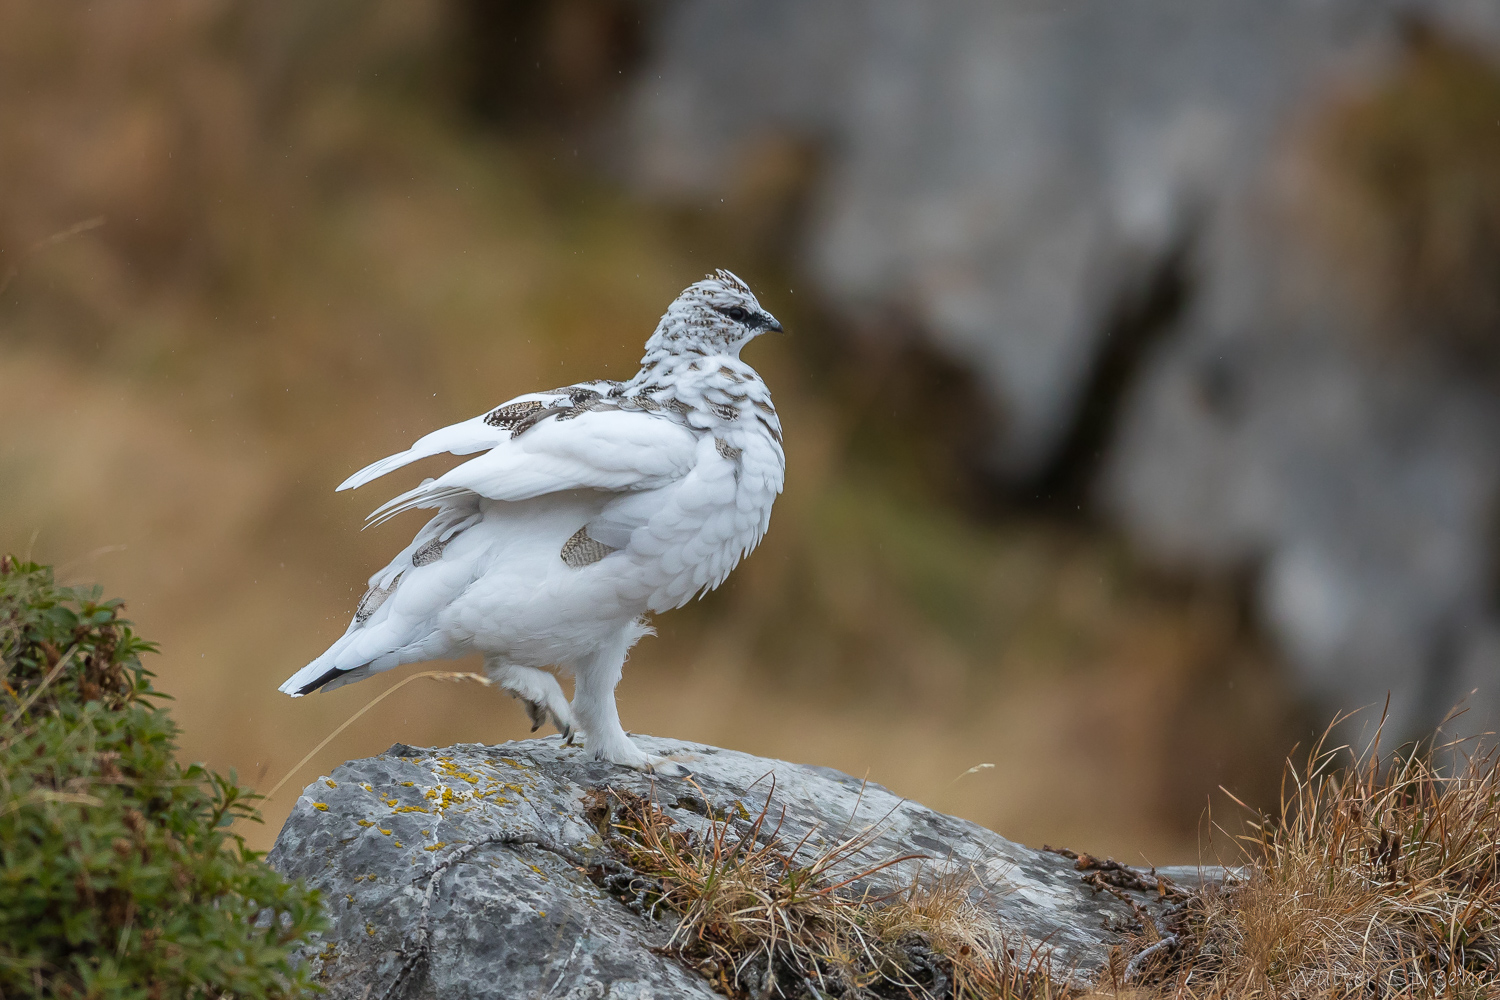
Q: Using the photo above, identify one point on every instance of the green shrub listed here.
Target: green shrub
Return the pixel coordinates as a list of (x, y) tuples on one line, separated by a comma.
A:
[(119, 873)]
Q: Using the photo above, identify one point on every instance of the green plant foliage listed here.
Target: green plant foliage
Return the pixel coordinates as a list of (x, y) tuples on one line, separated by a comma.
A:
[(120, 875)]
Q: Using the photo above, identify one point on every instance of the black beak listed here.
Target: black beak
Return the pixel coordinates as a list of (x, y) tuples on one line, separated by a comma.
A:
[(773, 325)]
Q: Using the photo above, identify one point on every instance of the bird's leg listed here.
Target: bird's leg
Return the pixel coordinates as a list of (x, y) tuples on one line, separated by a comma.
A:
[(594, 708), (538, 690)]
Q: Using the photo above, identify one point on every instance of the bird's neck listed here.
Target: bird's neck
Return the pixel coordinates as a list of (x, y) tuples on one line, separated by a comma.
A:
[(662, 364)]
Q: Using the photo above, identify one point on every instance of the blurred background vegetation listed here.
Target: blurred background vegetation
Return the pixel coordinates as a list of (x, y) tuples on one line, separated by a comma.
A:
[(291, 238)]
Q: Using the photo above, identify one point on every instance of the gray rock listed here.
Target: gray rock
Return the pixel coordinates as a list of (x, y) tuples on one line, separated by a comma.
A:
[(488, 841)]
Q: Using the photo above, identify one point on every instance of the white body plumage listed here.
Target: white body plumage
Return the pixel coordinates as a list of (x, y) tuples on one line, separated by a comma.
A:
[(591, 506)]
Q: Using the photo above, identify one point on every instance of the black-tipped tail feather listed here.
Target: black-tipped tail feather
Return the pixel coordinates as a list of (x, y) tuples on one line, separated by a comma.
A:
[(297, 690), (320, 676)]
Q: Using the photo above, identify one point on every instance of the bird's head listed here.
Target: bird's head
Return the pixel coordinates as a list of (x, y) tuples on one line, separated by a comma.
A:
[(718, 315)]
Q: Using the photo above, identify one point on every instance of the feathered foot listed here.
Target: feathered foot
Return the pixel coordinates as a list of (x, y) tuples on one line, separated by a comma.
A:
[(594, 708), (636, 759), (539, 712), (539, 691), (627, 754)]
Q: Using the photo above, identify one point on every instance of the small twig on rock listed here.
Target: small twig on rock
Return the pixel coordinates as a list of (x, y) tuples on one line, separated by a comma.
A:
[(1096, 881), (1114, 878), (420, 946), (1121, 876), (1134, 967)]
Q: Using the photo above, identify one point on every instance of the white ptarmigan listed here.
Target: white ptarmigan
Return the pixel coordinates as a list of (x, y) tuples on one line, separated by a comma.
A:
[(592, 506)]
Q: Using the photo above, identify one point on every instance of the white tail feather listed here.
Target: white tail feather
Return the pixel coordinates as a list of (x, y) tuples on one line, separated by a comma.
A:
[(375, 470), (421, 496), (457, 439)]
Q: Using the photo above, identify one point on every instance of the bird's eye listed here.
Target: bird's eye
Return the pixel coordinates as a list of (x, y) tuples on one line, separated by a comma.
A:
[(737, 314)]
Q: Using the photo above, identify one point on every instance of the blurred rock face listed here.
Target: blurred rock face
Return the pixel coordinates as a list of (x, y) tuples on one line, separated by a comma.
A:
[(1328, 412), (1015, 178)]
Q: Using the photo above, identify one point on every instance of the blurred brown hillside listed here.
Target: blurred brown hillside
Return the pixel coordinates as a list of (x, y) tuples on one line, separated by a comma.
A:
[(286, 246)]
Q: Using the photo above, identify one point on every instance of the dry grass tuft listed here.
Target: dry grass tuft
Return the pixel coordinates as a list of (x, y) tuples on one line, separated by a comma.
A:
[(761, 919), (1377, 879)]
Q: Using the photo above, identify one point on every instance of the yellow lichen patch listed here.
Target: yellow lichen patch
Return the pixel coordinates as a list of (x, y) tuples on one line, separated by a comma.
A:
[(446, 796), (321, 806), (447, 769), (330, 783), (408, 784), (386, 832), (349, 896), (392, 802), (364, 822), (367, 787), (369, 928), (398, 843), (411, 809), (434, 847)]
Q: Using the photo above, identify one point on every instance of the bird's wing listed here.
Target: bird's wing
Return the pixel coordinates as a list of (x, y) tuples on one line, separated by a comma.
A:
[(605, 449), (466, 437)]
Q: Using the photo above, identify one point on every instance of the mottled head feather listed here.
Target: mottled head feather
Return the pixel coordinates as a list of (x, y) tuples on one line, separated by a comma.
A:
[(715, 316)]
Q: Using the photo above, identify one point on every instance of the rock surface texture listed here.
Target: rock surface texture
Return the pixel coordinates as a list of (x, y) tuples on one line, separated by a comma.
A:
[(455, 872), (1019, 181)]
